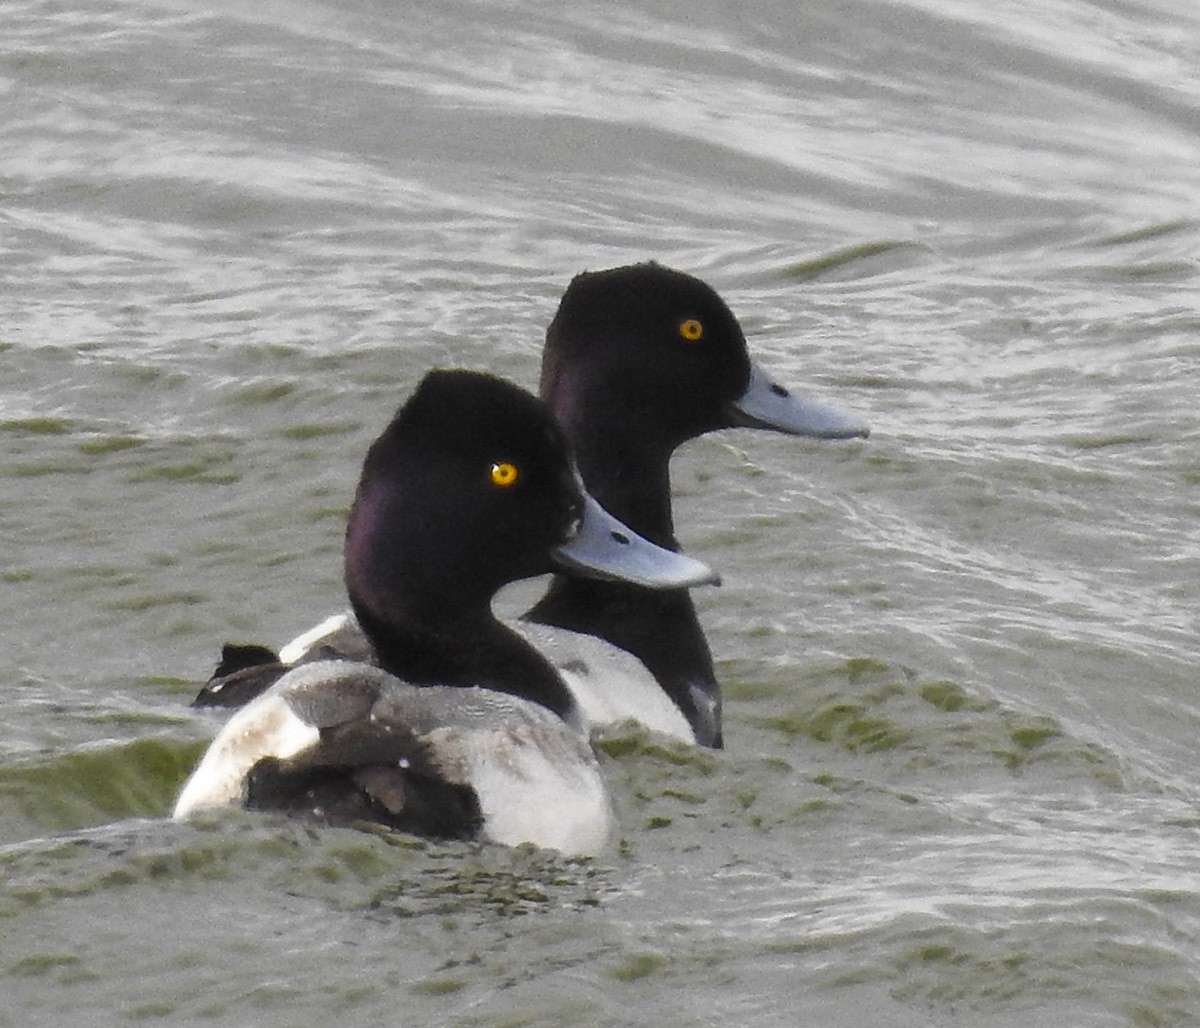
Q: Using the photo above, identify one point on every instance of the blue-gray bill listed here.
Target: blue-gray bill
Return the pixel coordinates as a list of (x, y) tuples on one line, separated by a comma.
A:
[(604, 547), (766, 404)]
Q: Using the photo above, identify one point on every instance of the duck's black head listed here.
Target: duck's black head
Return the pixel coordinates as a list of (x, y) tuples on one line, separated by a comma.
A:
[(469, 488), (642, 358), (651, 350)]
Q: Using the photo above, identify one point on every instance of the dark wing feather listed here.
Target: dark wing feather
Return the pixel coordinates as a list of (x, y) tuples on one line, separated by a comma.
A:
[(245, 671), (368, 773)]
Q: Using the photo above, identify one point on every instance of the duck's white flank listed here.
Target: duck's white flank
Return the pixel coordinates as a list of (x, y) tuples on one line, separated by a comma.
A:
[(266, 727), (610, 685), (316, 635), (536, 779)]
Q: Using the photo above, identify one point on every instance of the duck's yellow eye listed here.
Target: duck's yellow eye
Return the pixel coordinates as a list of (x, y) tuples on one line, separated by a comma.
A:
[(691, 330), (504, 474)]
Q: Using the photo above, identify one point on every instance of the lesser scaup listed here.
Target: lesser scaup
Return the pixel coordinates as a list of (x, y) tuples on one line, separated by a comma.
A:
[(638, 360), (463, 729)]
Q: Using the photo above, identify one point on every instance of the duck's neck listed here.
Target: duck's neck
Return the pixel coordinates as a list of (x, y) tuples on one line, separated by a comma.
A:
[(628, 472), (471, 648), (631, 479)]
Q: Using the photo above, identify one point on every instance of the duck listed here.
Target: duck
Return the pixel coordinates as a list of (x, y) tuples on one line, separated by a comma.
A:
[(458, 728), (638, 360)]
